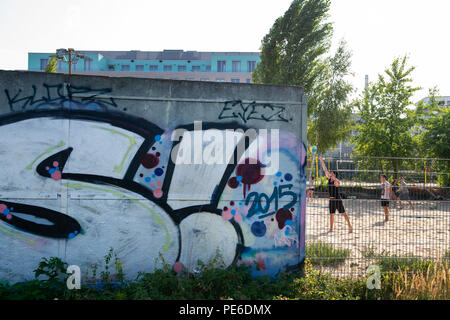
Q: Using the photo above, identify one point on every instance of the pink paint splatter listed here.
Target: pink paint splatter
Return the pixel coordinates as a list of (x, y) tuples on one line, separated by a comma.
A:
[(159, 183), (226, 214), (55, 163), (238, 217), (177, 267), (2, 207), (158, 193), (56, 175)]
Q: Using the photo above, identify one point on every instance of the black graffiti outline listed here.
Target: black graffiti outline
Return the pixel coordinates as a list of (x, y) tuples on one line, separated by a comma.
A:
[(56, 97), (253, 111), (148, 131)]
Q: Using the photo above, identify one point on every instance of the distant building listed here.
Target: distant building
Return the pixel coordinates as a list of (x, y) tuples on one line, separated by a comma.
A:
[(442, 101), (166, 64)]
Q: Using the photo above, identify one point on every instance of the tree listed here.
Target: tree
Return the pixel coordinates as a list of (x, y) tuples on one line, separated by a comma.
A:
[(384, 127), (51, 66), (291, 54), (432, 123), (330, 122)]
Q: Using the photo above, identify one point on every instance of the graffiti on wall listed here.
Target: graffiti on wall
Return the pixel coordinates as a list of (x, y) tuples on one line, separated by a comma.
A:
[(119, 185), (237, 110)]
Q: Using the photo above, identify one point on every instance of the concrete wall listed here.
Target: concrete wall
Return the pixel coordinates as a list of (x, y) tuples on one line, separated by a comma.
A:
[(150, 168)]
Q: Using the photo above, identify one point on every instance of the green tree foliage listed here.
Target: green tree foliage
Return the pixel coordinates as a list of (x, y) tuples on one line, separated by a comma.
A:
[(330, 122), (51, 66), (432, 123), (291, 54), (384, 127)]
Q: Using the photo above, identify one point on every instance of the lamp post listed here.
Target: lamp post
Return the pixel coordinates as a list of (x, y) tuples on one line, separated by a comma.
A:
[(69, 56)]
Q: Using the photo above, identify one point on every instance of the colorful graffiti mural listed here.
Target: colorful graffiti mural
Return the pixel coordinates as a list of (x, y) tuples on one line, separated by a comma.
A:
[(124, 182)]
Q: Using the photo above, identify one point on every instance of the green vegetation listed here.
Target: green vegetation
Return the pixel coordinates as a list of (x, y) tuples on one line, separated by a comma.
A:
[(51, 66), (293, 53), (214, 281), (324, 254), (393, 263)]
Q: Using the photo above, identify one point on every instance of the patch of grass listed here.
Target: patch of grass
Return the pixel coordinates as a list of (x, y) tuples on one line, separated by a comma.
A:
[(392, 262), (325, 254), (446, 255)]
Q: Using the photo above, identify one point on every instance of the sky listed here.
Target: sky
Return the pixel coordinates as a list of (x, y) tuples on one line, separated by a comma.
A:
[(376, 31)]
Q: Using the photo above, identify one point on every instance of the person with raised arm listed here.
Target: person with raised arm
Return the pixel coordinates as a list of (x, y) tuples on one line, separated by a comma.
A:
[(335, 201)]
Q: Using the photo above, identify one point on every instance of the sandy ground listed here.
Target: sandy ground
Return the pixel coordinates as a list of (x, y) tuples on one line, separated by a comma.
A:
[(422, 232)]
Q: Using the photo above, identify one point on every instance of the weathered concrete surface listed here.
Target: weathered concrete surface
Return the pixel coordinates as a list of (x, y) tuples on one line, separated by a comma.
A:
[(89, 163)]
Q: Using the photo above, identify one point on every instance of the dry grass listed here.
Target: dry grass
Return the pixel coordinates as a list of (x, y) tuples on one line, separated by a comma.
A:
[(432, 284)]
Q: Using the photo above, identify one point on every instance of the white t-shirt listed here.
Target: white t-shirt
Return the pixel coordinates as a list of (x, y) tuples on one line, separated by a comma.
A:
[(385, 190)]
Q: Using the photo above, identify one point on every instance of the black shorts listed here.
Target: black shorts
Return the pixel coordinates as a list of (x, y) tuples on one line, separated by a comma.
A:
[(385, 203), (336, 204)]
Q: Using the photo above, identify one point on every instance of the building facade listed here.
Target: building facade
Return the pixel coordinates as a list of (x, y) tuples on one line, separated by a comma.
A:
[(167, 64)]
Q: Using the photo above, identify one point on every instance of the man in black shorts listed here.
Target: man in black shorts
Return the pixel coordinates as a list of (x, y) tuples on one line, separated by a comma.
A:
[(335, 202)]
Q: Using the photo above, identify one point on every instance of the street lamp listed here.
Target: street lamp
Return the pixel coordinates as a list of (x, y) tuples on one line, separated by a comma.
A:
[(69, 56)]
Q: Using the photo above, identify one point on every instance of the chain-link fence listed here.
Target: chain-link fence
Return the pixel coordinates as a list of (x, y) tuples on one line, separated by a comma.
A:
[(417, 230)]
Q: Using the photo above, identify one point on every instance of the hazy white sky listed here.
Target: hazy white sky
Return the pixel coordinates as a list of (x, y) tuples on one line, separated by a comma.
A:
[(376, 30)]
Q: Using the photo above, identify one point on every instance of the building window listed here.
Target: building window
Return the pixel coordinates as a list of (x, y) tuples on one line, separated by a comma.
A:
[(236, 66), (125, 67), (248, 80), (195, 68), (153, 68), (190, 79), (59, 66), (208, 68), (167, 68), (235, 80), (204, 79), (87, 65), (181, 68), (139, 67), (44, 63), (251, 65), (220, 79), (221, 65)]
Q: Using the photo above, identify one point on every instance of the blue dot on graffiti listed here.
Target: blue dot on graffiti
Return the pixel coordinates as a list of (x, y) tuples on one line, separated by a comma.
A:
[(157, 137), (5, 212), (70, 236), (51, 171), (279, 174), (275, 183), (147, 179), (258, 228), (286, 232), (239, 178), (288, 223), (288, 177), (233, 212), (159, 171)]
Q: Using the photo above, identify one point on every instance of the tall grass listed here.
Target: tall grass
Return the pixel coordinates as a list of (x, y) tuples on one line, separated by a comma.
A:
[(432, 284)]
